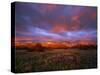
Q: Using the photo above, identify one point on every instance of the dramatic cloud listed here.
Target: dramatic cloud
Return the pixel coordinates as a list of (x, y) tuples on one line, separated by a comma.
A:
[(44, 22)]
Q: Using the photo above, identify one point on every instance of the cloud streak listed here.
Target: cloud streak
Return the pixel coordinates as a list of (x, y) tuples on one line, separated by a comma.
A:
[(55, 22)]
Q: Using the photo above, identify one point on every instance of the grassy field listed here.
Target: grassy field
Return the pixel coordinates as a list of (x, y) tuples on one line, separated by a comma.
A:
[(55, 59)]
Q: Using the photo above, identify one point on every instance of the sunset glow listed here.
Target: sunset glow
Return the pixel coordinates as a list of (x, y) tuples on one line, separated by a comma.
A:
[(42, 23)]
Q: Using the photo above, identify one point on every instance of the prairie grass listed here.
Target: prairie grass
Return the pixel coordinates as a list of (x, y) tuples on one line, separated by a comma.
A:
[(55, 59)]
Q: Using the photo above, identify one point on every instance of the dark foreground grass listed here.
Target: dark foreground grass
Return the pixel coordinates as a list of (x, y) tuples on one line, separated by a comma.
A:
[(55, 59)]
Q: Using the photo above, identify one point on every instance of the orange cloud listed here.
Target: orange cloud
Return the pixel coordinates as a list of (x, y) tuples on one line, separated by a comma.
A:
[(28, 39), (94, 15), (75, 25), (48, 8), (59, 28), (75, 18)]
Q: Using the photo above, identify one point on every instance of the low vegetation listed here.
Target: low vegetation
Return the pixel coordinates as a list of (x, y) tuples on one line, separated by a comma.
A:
[(43, 59)]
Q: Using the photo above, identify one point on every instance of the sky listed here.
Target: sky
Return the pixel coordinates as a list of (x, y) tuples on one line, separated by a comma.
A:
[(50, 22)]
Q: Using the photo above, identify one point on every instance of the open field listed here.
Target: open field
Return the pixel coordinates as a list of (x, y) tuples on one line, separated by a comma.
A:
[(55, 59)]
